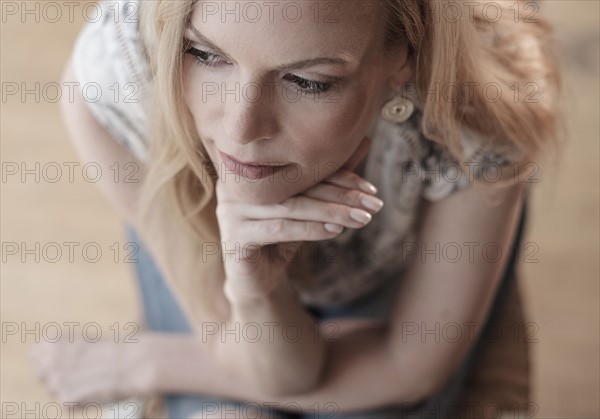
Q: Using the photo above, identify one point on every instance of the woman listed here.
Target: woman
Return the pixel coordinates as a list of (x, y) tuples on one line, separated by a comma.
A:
[(306, 294)]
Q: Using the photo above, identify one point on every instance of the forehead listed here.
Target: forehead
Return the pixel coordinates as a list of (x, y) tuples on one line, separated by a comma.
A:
[(295, 29)]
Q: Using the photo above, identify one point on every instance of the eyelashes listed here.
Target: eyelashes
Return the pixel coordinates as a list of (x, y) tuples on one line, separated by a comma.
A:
[(305, 86), (309, 85), (205, 58)]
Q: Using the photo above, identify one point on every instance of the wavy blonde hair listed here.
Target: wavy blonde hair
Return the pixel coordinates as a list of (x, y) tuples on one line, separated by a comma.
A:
[(479, 47)]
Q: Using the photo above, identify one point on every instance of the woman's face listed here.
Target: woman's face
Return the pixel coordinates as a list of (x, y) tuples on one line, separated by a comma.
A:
[(289, 82)]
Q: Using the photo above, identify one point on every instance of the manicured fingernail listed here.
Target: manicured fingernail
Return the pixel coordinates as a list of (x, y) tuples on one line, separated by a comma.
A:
[(368, 187), (333, 228), (359, 215), (371, 202)]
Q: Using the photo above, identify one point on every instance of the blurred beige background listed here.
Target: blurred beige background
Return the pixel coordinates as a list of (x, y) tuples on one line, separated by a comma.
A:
[(561, 290)]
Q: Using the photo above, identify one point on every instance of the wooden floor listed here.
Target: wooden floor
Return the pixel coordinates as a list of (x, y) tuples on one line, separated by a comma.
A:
[(561, 289)]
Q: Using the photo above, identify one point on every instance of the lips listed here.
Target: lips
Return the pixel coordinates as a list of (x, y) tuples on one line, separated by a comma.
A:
[(250, 170), (256, 164)]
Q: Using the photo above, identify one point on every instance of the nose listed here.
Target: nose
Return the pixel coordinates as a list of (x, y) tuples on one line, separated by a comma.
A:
[(249, 114)]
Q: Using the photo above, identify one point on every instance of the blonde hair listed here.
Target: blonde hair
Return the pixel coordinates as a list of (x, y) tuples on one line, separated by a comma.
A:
[(478, 47)]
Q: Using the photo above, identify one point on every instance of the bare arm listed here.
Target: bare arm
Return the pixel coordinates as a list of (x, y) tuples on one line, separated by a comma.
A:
[(269, 343), (399, 364), (95, 145), (360, 373)]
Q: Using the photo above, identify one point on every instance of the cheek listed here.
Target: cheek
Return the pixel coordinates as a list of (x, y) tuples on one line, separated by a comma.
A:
[(201, 113), (195, 96), (192, 94), (333, 133)]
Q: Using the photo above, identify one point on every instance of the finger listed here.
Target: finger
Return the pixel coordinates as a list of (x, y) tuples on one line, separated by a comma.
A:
[(349, 197), (265, 232), (303, 208), (350, 180)]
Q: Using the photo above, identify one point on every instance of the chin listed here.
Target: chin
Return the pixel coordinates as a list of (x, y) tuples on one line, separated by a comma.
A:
[(260, 193)]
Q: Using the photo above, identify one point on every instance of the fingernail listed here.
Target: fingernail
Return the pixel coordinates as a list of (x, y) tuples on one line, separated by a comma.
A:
[(333, 228), (371, 202), (359, 215), (368, 187)]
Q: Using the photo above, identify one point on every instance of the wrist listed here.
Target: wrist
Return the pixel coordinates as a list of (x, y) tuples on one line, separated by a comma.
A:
[(146, 364), (178, 363), (243, 295)]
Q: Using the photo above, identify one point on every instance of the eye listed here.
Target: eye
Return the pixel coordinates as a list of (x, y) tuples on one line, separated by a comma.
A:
[(305, 86), (309, 86), (204, 58)]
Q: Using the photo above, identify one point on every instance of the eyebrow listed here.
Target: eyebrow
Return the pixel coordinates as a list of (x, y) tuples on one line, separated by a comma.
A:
[(284, 67)]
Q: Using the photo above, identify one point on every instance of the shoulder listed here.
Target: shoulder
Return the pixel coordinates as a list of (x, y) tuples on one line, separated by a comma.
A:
[(113, 72), (432, 167), (485, 164)]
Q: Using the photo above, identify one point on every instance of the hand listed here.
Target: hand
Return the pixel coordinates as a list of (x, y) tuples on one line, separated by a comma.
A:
[(101, 372), (259, 233)]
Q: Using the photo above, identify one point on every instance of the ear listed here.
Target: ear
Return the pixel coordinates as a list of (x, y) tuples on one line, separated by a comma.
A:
[(402, 66)]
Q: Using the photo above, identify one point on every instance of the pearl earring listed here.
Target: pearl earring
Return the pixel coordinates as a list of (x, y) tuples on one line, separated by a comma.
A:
[(398, 109)]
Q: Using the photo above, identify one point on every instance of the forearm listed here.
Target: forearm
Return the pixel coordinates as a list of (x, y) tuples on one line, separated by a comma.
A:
[(270, 342), (359, 375)]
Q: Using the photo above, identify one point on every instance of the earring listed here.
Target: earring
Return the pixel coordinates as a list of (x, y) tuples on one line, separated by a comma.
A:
[(398, 109)]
